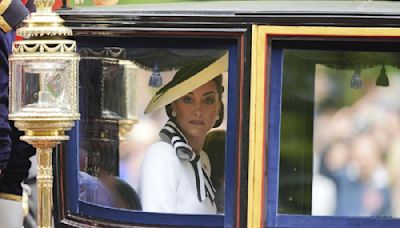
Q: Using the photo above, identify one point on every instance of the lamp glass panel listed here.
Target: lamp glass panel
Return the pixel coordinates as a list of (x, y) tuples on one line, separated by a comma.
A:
[(113, 86), (40, 84)]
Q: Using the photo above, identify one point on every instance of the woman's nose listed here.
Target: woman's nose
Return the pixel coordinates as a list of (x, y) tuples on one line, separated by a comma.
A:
[(198, 109), (197, 112)]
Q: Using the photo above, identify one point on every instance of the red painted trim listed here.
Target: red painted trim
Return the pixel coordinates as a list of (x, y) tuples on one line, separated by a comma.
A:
[(57, 4)]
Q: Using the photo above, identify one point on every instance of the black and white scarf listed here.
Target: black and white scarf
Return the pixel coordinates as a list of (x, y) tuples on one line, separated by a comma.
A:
[(171, 134)]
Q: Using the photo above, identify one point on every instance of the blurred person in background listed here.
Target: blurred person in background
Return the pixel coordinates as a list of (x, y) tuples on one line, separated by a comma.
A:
[(110, 191), (361, 179), (214, 146)]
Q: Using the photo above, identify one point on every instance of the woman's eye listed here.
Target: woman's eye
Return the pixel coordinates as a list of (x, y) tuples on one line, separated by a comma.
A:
[(210, 100), (187, 100)]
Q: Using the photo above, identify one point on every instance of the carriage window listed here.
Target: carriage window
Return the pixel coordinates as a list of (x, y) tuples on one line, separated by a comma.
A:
[(340, 133), (152, 129)]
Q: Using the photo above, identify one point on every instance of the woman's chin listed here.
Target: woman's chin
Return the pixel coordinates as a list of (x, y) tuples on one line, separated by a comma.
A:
[(197, 132)]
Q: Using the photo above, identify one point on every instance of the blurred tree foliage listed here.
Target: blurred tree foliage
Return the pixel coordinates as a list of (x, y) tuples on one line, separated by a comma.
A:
[(295, 166)]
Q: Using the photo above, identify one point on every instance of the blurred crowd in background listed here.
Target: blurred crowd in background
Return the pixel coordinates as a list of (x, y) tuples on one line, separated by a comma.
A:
[(357, 150)]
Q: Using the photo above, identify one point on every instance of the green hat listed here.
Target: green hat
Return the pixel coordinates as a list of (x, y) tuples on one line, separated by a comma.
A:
[(187, 79)]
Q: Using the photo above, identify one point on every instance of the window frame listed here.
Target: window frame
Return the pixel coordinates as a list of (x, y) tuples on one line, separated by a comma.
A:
[(265, 114), (70, 210)]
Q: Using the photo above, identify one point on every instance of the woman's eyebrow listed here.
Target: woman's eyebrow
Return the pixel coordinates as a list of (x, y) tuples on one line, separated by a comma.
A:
[(208, 93)]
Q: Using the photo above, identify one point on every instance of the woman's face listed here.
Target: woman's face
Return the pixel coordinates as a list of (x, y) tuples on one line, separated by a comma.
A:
[(197, 111)]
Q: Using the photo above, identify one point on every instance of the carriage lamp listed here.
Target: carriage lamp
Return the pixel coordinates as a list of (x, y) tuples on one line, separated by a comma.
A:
[(43, 92), (129, 114)]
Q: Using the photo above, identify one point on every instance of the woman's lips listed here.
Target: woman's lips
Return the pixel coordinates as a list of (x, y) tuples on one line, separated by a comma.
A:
[(196, 122)]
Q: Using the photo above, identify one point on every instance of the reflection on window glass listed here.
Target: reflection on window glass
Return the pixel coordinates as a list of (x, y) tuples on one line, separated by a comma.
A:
[(340, 134), (152, 129)]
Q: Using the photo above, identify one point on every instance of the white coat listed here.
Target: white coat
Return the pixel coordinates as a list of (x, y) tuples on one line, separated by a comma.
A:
[(167, 184)]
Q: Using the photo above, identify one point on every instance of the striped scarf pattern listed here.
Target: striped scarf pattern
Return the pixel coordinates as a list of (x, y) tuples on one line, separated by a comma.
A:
[(171, 134)]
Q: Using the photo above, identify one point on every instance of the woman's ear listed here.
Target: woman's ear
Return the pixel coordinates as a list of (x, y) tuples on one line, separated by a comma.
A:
[(173, 107), (173, 110)]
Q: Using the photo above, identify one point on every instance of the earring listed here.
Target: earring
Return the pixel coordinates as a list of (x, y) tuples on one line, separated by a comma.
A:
[(173, 114)]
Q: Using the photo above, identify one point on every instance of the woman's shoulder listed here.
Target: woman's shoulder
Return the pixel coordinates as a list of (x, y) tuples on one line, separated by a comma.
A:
[(161, 146), (161, 151)]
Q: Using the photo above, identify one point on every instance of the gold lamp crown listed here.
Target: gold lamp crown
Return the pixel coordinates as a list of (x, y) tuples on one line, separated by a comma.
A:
[(44, 22)]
